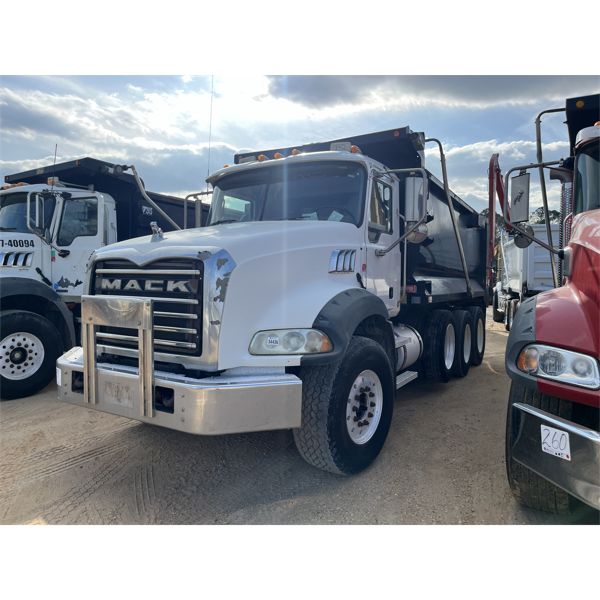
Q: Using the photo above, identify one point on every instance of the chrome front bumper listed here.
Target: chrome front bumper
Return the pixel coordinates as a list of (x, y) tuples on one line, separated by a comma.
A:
[(249, 400), (580, 476)]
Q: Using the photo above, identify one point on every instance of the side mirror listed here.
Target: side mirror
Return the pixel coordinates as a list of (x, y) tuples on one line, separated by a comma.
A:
[(415, 198), (519, 198)]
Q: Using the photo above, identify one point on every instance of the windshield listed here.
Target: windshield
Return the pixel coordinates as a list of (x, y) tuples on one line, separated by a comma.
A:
[(324, 191), (13, 212), (588, 179)]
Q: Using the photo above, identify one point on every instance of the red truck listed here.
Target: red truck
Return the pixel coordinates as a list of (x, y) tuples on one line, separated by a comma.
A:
[(553, 350)]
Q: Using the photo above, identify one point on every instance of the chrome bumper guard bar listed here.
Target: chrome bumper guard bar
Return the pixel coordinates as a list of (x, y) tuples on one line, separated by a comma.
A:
[(238, 401), (128, 313), (579, 476)]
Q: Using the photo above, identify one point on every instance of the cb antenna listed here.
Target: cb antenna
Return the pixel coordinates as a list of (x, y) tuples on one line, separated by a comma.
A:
[(53, 167), (212, 94)]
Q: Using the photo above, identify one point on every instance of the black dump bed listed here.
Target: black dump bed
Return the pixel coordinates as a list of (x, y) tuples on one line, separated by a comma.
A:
[(134, 214), (434, 267), (582, 111), (396, 148)]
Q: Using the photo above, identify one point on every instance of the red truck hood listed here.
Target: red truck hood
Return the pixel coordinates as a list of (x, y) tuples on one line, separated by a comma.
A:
[(569, 316)]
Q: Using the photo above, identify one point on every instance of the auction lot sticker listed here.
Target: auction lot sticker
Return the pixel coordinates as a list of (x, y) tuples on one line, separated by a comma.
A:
[(556, 442)]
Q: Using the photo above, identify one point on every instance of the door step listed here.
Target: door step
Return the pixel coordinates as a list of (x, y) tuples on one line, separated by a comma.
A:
[(404, 378)]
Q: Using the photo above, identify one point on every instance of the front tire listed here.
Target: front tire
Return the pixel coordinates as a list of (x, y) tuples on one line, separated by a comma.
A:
[(528, 488), (337, 400), (29, 347)]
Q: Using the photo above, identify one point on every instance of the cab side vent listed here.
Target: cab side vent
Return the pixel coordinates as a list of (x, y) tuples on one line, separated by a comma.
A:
[(342, 261)]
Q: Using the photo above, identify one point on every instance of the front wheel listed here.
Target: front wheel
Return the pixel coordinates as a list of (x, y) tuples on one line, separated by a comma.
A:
[(29, 347), (346, 411), (527, 487)]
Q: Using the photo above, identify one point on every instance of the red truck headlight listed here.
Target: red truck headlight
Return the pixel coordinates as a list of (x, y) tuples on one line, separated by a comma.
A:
[(561, 365)]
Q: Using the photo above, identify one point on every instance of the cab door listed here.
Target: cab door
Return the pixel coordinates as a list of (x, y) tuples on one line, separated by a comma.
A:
[(383, 272), (80, 231)]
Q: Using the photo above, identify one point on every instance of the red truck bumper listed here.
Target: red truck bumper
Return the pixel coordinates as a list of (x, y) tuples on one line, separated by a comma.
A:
[(580, 474)]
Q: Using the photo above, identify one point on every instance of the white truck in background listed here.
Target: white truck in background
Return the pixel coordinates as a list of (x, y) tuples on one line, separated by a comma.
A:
[(51, 221), (521, 273)]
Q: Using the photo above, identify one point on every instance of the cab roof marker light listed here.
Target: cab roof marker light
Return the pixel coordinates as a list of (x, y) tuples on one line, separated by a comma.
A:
[(295, 152), (277, 155), (355, 149), (262, 157)]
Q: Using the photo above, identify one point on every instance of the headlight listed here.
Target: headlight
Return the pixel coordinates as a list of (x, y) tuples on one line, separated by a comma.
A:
[(290, 341), (559, 365)]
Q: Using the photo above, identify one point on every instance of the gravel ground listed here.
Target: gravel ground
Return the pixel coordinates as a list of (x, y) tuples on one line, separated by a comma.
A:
[(443, 463)]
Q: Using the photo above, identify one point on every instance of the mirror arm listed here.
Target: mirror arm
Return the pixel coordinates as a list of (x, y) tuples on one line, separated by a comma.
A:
[(538, 140), (196, 197)]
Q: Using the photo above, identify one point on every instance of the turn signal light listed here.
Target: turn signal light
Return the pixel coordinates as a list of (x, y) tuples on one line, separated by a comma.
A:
[(528, 360)]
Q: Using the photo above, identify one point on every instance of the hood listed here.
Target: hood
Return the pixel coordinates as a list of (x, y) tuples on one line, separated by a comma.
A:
[(243, 241), (569, 316)]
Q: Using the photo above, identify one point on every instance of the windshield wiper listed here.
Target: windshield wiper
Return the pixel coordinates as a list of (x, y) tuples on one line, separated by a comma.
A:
[(225, 221), (8, 228)]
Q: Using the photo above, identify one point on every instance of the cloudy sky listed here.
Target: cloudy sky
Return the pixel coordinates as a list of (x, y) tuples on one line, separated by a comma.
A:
[(162, 124)]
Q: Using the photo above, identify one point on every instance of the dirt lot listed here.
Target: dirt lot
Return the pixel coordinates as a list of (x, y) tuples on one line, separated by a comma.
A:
[(443, 463)]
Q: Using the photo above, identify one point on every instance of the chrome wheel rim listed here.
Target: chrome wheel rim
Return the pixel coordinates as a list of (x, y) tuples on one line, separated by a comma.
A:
[(467, 344), (480, 335), (22, 354), (449, 346), (364, 407)]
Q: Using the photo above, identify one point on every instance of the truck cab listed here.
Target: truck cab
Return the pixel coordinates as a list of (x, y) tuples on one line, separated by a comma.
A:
[(47, 235), (39, 223), (324, 273), (51, 221), (553, 355)]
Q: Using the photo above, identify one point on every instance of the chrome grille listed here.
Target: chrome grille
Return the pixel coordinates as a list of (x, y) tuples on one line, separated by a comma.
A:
[(175, 286)]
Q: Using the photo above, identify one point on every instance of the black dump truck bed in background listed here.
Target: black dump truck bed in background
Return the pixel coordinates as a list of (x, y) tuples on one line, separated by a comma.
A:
[(433, 267), (582, 111), (134, 214)]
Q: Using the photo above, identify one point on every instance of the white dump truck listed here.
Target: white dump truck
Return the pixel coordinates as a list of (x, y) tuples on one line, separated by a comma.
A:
[(522, 273), (328, 276), (51, 220)]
